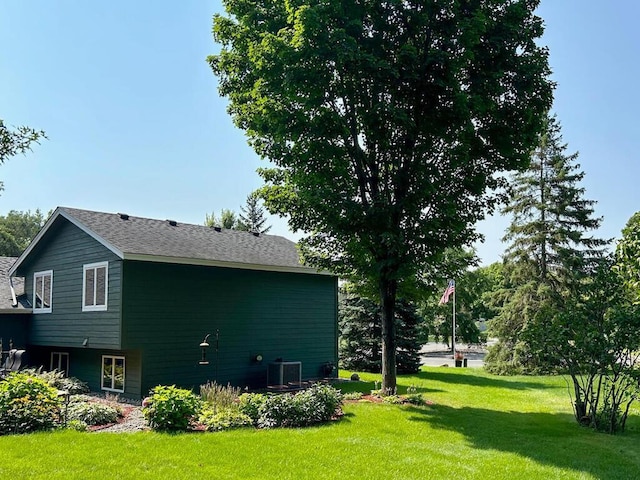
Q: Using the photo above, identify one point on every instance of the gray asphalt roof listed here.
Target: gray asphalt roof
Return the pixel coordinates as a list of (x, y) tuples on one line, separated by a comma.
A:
[(6, 300), (159, 240)]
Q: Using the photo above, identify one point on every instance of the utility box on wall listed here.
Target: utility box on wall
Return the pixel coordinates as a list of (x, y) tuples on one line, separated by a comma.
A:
[(284, 373)]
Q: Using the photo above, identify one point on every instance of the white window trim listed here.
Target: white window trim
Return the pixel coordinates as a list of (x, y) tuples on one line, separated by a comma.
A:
[(36, 309), (61, 354), (124, 373), (95, 266)]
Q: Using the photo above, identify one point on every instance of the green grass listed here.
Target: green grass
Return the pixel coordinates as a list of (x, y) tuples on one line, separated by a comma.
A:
[(479, 426)]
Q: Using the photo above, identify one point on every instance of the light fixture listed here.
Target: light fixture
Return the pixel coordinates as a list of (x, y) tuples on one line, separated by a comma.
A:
[(204, 345), (85, 342)]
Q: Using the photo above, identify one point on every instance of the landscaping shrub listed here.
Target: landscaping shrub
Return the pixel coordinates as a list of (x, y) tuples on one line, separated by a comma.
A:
[(250, 405), (169, 408), (314, 405), (92, 413), (27, 404), (219, 397), (225, 419), (57, 379), (77, 425)]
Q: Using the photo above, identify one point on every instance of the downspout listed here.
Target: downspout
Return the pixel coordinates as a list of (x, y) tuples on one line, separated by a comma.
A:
[(14, 300)]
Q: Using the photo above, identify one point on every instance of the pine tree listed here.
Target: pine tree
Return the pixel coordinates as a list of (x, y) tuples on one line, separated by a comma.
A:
[(552, 247), (252, 218)]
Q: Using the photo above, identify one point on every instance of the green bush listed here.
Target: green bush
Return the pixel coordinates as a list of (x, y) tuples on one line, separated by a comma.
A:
[(27, 404), (92, 413), (317, 404), (57, 379), (77, 425), (225, 419), (352, 396), (169, 408), (250, 404)]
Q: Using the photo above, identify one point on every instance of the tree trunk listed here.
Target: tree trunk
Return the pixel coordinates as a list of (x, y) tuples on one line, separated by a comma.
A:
[(388, 291)]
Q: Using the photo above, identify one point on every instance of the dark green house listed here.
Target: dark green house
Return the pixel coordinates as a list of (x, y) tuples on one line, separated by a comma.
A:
[(124, 302)]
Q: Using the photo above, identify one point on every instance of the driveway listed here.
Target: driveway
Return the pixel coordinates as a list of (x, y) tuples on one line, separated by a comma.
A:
[(439, 355)]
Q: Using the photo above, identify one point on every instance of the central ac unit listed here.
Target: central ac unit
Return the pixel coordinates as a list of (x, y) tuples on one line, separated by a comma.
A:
[(284, 373)]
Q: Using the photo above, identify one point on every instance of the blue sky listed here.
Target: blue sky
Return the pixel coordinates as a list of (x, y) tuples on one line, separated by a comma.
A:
[(135, 123)]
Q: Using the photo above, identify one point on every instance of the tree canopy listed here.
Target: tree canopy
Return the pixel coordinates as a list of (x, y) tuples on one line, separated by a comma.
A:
[(385, 123), (17, 229), (16, 140)]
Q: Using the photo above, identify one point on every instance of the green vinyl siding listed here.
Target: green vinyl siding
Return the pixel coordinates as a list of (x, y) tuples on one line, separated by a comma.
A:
[(168, 309), (65, 250), (86, 364)]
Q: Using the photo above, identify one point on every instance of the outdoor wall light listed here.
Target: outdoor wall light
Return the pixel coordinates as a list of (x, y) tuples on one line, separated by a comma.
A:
[(85, 342), (257, 357), (204, 345)]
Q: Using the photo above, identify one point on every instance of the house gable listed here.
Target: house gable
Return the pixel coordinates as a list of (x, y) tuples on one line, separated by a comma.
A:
[(63, 250)]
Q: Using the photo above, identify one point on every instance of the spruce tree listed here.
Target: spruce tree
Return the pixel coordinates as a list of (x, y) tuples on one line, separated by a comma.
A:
[(551, 249), (252, 218), (360, 325)]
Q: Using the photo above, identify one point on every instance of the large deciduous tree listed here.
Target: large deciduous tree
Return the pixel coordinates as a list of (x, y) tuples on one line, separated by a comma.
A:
[(17, 229), (385, 123)]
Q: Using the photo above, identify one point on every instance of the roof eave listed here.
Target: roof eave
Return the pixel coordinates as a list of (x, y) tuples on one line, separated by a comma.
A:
[(60, 212), (222, 264)]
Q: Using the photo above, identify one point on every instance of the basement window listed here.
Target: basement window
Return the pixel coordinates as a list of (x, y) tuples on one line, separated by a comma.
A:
[(113, 373), (60, 362), (95, 286)]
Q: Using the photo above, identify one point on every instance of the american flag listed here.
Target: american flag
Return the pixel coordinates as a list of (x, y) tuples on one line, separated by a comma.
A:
[(448, 292)]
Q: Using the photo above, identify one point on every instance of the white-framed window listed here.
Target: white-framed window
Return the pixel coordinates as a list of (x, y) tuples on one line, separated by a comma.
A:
[(60, 362), (42, 291), (113, 373), (95, 286)]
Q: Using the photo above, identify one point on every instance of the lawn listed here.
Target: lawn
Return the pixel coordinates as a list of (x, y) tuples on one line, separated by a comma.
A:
[(479, 426)]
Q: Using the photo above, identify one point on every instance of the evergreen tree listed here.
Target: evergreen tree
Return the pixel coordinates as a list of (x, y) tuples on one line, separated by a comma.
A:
[(360, 324), (552, 248), (252, 218)]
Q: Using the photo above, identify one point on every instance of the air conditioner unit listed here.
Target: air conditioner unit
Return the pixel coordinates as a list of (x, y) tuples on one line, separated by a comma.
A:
[(284, 373)]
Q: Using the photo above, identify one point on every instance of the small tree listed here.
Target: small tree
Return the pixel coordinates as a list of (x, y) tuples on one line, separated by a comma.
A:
[(596, 340), (252, 218)]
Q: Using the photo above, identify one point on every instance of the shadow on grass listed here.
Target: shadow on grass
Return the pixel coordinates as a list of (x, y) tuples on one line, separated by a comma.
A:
[(455, 377), (367, 387), (551, 439)]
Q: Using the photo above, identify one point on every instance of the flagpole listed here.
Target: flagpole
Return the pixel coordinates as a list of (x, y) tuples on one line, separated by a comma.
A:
[(453, 331)]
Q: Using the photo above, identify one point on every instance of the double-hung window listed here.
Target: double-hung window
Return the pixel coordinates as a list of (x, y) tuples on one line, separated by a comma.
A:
[(42, 291), (95, 286), (113, 373)]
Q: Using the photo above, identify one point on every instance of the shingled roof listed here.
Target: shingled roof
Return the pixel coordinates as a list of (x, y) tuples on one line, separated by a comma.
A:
[(6, 298), (167, 241)]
